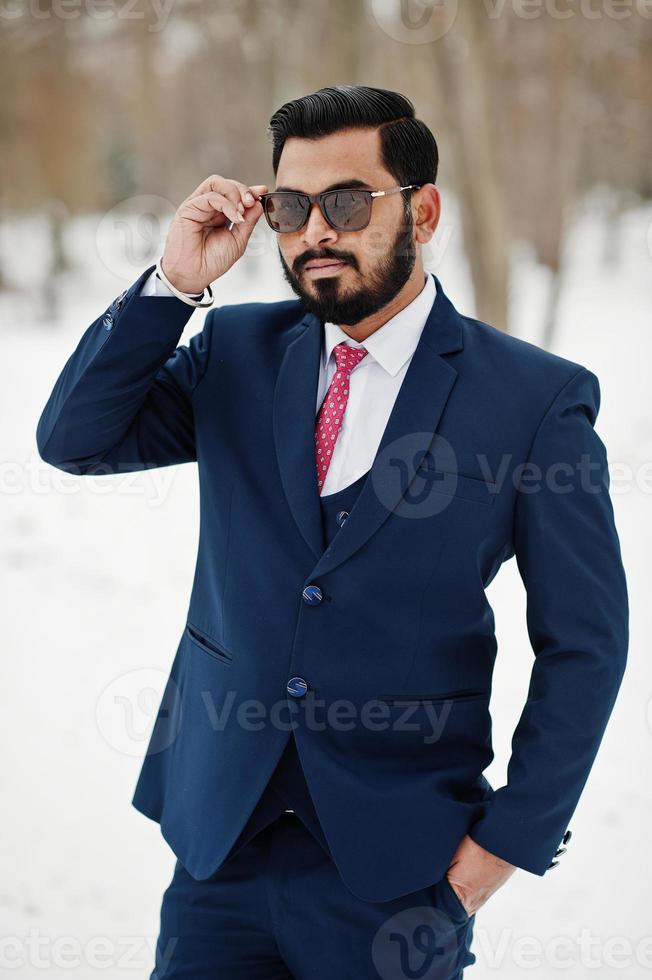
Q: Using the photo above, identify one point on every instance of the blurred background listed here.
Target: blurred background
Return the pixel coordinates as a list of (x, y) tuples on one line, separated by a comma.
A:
[(112, 112)]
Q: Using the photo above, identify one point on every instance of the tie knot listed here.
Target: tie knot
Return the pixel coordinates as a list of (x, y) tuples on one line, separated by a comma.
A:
[(347, 357)]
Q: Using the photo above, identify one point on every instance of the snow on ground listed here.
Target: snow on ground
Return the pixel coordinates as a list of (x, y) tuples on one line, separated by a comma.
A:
[(96, 577)]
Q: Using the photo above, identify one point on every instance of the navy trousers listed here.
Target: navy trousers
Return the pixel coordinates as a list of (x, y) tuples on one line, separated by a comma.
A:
[(278, 910)]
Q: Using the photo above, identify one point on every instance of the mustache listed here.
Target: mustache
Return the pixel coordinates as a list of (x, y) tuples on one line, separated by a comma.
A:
[(301, 262)]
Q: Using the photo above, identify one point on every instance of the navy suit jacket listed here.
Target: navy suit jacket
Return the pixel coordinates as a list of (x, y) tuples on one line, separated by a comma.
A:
[(490, 452)]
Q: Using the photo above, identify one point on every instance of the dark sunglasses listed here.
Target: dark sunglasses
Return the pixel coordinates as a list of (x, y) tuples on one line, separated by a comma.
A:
[(344, 209)]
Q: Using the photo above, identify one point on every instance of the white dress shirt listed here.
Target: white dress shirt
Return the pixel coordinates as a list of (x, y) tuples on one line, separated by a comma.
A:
[(373, 385)]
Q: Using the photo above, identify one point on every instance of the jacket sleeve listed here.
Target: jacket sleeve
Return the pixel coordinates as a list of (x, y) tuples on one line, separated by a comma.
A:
[(569, 559), (123, 400)]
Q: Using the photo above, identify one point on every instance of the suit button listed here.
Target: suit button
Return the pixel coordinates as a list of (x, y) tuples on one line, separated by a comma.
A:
[(553, 864), (567, 836), (341, 517), (108, 322), (312, 594), (297, 687)]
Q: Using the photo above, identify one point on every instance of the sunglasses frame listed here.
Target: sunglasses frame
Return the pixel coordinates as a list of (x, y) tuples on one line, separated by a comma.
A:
[(319, 198)]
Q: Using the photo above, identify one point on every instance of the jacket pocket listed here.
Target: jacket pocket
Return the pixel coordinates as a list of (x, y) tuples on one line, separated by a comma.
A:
[(208, 644), (463, 694), (461, 911), (457, 485)]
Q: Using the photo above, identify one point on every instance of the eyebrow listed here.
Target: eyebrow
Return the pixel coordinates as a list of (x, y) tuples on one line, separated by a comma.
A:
[(340, 185)]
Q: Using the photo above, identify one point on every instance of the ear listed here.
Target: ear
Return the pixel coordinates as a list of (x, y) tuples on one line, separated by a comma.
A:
[(426, 207)]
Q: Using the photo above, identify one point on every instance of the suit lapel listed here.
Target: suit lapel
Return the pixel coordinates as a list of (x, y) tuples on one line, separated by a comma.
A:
[(408, 435), (295, 399)]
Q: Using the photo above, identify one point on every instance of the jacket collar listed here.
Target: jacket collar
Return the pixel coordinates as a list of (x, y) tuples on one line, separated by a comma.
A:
[(393, 343)]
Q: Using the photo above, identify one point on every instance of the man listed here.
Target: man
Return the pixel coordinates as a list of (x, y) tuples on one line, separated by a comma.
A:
[(368, 457)]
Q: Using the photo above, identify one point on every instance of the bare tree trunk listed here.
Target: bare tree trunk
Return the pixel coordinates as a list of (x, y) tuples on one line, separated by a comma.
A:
[(465, 71), (567, 80)]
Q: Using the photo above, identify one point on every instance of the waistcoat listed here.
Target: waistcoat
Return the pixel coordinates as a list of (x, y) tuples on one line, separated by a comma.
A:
[(287, 787)]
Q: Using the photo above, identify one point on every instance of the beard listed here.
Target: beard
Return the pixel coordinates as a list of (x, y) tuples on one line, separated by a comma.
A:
[(334, 303)]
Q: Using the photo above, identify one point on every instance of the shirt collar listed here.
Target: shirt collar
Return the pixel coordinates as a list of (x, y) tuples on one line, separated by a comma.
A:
[(393, 343)]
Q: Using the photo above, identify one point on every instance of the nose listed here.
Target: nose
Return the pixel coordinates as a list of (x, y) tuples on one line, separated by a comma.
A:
[(316, 229)]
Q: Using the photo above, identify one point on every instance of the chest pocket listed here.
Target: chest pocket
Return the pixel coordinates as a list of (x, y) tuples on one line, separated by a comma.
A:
[(456, 484)]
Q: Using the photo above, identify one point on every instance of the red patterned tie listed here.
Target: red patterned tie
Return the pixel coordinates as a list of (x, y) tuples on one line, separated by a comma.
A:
[(331, 413)]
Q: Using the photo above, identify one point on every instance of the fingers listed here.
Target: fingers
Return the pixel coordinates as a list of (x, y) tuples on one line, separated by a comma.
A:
[(221, 186), (250, 194), (204, 207), (249, 197), (240, 195), (213, 183), (242, 230), (227, 205)]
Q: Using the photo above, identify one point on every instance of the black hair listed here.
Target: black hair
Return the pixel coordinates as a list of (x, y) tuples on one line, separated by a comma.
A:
[(408, 148)]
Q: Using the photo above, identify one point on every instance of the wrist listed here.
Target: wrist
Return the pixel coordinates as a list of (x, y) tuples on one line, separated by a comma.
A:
[(193, 288), (206, 297), (166, 287)]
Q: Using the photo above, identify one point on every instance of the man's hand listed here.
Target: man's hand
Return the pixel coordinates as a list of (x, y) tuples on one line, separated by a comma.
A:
[(475, 874), (200, 247)]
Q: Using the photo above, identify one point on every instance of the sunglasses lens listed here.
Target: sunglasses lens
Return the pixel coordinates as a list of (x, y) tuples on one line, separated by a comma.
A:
[(285, 212), (348, 210)]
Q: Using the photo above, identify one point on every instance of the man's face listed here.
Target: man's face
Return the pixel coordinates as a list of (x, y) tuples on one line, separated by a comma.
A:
[(377, 261)]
